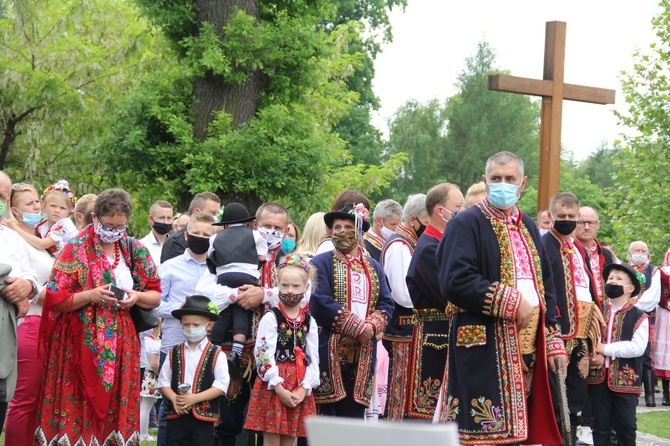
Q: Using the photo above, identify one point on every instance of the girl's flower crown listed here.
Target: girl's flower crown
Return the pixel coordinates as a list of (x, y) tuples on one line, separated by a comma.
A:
[(61, 186), (295, 260)]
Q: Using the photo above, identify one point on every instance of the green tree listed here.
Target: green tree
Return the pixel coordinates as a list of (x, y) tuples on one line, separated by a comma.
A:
[(419, 131), (483, 122), (268, 140), (641, 180), (599, 166), (59, 63)]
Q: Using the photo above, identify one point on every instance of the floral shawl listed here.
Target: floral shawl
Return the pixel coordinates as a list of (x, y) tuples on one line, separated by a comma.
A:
[(81, 266)]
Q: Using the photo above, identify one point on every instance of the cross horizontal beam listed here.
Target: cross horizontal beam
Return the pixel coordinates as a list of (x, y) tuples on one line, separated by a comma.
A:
[(537, 87)]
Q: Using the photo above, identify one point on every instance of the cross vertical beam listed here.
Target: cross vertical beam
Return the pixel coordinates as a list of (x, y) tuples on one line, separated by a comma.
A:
[(553, 91)]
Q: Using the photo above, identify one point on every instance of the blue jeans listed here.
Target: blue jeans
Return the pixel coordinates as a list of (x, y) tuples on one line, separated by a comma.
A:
[(162, 412)]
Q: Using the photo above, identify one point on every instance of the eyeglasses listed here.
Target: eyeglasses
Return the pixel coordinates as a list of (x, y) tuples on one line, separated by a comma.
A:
[(120, 228), (587, 222)]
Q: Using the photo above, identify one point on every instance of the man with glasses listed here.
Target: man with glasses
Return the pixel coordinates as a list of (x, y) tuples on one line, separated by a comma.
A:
[(586, 233), (20, 286)]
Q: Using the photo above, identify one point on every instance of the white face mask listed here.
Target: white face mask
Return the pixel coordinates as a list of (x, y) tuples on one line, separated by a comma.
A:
[(272, 237), (638, 259), (386, 232), (196, 333)]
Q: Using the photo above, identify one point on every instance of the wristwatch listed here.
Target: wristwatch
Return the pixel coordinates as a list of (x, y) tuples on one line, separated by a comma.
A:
[(34, 291)]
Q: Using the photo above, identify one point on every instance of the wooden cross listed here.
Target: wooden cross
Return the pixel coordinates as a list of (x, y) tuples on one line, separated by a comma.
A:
[(553, 90)]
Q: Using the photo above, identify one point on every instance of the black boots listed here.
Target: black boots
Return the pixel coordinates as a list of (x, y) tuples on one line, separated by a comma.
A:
[(666, 392), (648, 381)]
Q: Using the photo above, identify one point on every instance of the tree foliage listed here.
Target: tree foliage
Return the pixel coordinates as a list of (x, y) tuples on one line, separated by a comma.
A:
[(287, 150), (59, 63), (641, 190), (483, 122)]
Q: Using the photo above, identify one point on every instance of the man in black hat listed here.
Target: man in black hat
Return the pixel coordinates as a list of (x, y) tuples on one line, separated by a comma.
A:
[(352, 303), (194, 376), (616, 372), (234, 259)]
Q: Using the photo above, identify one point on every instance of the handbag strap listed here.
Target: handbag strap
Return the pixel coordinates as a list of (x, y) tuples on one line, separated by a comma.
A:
[(131, 250)]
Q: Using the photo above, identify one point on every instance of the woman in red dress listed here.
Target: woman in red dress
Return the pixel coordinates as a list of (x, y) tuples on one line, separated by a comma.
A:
[(91, 387)]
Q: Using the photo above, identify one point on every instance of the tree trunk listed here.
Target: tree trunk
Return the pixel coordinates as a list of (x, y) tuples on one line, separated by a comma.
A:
[(10, 133), (212, 93)]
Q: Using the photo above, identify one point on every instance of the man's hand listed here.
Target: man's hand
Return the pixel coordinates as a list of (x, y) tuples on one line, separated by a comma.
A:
[(22, 307), (249, 297), (554, 361), (523, 314), (600, 348), (17, 289), (367, 334), (596, 361), (348, 341)]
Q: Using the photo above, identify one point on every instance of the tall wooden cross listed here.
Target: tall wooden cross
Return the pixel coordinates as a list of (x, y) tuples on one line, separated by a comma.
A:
[(553, 91)]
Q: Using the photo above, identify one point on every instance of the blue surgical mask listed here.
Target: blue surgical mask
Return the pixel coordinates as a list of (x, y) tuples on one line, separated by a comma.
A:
[(503, 195), (288, 245), (31, 220), (196, 333)]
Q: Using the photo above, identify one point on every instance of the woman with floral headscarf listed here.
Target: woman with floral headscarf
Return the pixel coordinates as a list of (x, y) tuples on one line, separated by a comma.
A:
[(92, 350)]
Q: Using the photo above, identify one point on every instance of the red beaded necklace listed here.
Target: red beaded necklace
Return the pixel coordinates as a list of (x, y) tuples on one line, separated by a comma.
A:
[(117, 254), (294, 322)]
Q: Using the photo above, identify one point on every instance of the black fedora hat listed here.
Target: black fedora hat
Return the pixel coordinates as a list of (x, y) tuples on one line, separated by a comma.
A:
[(234, 213), (346, 213), (626, 269), (197, 305)]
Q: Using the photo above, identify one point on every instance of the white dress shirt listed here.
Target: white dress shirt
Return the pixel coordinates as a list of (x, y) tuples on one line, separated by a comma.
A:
[(153, 246), (397, 258), (192, 358), (625, 349)]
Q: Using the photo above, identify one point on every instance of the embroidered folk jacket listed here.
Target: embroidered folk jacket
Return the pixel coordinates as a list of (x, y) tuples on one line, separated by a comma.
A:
[(486, 388), (330, 307)]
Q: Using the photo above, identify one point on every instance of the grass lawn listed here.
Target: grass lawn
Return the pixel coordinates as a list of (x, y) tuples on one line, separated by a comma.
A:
[(655, 423)]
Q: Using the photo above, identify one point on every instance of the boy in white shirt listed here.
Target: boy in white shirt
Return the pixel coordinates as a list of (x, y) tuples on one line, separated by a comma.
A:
[(194, 375)]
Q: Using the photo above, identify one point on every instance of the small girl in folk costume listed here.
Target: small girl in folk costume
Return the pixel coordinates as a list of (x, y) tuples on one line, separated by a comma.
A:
[(53, 232), (287, 358), (57, 228)]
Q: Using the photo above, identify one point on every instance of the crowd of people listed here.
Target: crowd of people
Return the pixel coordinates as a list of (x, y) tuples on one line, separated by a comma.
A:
[(449, 308)]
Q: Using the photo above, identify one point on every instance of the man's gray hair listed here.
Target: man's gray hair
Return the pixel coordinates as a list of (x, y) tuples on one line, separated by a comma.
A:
[(637, 241), (385, 209), (503, 158), (415, 205)]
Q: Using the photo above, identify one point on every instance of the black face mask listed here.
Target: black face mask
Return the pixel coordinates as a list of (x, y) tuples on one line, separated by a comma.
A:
[(419, 231), (565, 227), (199, 245), (613, 291), (162, 228)]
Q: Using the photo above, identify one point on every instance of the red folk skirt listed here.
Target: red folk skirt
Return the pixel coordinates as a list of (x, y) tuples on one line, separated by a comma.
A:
[(266, 412)]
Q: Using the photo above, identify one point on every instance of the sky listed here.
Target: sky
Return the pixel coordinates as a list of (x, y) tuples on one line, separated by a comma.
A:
[(432, 39)]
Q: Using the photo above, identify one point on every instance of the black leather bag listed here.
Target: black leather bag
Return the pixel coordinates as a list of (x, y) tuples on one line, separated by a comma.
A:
[(144, 319)]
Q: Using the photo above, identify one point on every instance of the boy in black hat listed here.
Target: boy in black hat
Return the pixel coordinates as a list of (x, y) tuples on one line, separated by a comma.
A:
[(194, 376), (616, 369), (234, 259)]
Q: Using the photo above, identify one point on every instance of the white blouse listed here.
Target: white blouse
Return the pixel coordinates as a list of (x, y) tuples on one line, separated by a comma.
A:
[(266, 346)]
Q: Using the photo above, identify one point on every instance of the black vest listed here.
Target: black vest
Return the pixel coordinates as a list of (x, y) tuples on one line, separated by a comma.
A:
[(204, 378), (235, 244), (287, 342), (624, 374)]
